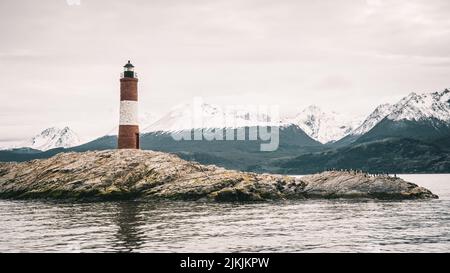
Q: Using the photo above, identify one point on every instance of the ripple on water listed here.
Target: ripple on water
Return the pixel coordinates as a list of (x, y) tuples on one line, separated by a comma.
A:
[(286, 226)]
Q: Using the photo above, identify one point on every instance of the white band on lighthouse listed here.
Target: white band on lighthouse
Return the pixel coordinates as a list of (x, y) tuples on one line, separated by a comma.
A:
[(128, 113)]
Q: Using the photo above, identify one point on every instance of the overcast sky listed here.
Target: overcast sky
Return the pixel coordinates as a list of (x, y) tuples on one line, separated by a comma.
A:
[(61, 63)]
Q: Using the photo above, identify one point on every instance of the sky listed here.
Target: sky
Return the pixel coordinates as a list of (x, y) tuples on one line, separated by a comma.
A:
[(61, 62)]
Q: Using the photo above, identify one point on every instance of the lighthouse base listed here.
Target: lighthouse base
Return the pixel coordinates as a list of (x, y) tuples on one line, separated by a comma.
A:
[(128, 137)]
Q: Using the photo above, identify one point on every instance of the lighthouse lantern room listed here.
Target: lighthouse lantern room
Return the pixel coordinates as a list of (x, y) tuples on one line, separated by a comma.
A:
[(128, 70)]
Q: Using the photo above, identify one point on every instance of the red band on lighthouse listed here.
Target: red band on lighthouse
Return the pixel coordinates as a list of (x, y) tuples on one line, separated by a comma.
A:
[(128, 137)]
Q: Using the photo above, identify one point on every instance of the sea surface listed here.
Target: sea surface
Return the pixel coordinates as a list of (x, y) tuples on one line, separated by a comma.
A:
[(281, 226)]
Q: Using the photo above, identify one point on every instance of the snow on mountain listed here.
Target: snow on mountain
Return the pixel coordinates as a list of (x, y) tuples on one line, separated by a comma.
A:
[(323, 126), (414, 107), (376, 116), (418, 107), (9, 145), (53, 137), (186, 117), (319, 125), (146, 119)]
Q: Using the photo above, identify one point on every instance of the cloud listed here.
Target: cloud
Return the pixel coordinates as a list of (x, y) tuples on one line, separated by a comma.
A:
[(61, 63)]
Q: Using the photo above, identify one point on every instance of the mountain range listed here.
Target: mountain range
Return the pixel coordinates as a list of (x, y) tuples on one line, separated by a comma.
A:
[(50, 138), (325, 127), (206, 116), (411, 135)]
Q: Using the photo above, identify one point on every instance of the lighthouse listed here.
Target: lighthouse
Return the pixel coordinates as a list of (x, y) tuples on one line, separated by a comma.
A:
[(128, 123)]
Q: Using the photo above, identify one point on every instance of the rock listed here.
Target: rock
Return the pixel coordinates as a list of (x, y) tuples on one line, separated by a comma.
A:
[(131, 174), (350, 185)]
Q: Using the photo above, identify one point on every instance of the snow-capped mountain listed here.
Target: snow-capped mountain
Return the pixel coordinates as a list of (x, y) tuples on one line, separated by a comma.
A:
[(418, 116), (188, 116), (323, 126), (319, 125), (414, 107), (376, 116), (417, 107), (53, 137), (8, 145)]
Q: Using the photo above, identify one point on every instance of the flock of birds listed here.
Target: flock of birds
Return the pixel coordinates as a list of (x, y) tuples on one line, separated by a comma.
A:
[(366, 174)]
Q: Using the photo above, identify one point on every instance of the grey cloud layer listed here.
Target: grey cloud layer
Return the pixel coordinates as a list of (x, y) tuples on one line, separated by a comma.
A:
[(61, 63)]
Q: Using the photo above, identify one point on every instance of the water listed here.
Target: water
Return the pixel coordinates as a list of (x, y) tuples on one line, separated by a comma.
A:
[(287, 226)]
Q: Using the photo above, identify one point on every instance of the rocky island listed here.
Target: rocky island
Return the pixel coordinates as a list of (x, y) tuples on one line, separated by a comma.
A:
[(136, 174)]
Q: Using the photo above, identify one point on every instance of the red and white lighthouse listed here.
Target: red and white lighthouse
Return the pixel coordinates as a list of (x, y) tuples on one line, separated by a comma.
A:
[(128, 123)]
